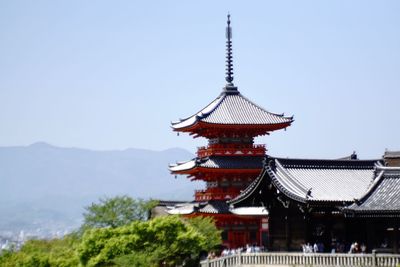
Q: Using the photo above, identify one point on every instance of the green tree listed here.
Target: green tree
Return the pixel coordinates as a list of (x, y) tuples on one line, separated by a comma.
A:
[(117, 211), (206, 227), (44, 253), (171, 240)]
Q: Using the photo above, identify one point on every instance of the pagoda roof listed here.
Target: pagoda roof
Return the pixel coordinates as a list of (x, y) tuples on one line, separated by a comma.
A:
[(383, 198), (220, 162), (317, 180), (231, 108)]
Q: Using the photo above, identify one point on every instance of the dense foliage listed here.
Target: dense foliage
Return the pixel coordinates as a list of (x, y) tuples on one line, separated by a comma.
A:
[(169, 240), (44, 253), (117, 211)]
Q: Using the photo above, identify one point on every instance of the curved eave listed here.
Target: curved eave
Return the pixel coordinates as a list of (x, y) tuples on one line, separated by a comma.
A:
[(250, 211), (182, 210), (199, 126), (195, 170), (275, 181), (249, 190), (182, 167)]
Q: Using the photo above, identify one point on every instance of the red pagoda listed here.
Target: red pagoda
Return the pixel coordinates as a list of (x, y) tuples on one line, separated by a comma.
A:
[(230, 162)]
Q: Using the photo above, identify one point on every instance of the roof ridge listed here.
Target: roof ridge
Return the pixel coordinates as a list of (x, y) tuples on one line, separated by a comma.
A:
[(293, 181), (249, 189), (328, 163), (219, 98), (281, 187), (324, 159)]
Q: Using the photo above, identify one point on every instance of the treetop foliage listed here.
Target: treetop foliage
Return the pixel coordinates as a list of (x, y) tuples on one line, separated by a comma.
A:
[(117, 232), (171, 240), (117, 211)]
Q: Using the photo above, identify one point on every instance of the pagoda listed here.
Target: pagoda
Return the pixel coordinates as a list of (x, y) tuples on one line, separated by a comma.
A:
[(231, 161)]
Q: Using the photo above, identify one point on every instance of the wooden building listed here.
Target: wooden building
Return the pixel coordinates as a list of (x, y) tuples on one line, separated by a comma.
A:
[(331, 202), (230, 161), (280, 203)]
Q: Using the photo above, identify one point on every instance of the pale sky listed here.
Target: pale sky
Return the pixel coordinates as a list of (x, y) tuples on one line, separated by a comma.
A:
[(113, 74)]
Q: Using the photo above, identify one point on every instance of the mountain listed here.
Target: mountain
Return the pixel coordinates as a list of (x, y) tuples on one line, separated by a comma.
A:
[(44, 184)]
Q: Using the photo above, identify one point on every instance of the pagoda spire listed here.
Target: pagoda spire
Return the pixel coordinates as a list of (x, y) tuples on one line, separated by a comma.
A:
[(229, 61)]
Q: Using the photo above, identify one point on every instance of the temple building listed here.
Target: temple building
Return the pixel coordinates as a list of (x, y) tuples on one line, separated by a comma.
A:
[(231, 160), (283, 203), (329, 202)]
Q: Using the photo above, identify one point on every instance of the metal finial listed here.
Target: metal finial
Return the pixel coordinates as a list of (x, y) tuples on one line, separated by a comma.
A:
[(229, 62)]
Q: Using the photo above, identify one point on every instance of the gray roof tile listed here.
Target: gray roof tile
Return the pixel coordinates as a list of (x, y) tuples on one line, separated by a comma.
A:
[(215, 206), (384, 197), (233, 109), (323, 180)]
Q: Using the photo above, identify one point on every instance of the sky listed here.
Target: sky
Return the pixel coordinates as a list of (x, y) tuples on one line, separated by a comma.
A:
[(108, 75)]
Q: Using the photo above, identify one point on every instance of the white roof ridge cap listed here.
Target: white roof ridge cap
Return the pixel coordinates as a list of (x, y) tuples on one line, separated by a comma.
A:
[(387, 168)]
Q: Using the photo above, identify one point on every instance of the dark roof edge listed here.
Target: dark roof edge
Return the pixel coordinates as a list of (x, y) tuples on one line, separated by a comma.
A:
[(221, 95), (331, 163), (256, 183), (282, 188)]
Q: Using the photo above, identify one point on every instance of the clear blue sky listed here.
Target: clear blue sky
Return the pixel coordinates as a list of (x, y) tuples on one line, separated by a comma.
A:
[(113, 74)]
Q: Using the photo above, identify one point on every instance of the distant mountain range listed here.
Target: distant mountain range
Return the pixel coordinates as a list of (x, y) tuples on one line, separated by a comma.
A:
[(44, 185)]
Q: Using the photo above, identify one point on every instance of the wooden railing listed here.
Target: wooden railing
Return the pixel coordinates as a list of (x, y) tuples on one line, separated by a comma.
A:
[(301, 259), (216, 194), (231, 150)]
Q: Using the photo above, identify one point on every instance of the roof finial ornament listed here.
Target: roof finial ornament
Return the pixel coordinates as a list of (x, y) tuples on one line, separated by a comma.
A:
[(229, 62)]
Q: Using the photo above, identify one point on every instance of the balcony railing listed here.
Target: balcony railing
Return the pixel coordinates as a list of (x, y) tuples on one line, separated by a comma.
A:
[(231, 150), (215, 194), (301, 259)]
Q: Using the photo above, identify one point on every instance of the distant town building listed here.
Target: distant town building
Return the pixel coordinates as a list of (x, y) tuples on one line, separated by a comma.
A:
[(392, 158)]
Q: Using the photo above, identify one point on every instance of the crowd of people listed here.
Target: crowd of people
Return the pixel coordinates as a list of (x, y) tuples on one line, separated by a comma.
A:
[(317, 247), (228, 252), (336, 247)]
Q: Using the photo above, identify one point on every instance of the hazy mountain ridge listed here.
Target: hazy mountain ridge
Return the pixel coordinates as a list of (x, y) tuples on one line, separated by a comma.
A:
[(42, 182)]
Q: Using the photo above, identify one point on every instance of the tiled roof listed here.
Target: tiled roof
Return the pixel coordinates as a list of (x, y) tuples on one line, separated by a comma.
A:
[(383, 198), (322, 180), (233, 108), (221, 162), (215, 206), (316, 180)]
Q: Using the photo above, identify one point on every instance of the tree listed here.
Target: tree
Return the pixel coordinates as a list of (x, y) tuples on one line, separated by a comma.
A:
[(44, 253), (170, 239), (117, 211), (206, 227)]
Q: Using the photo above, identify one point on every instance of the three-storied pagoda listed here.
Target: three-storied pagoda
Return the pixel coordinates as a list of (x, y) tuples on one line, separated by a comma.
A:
[(231, 161)]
